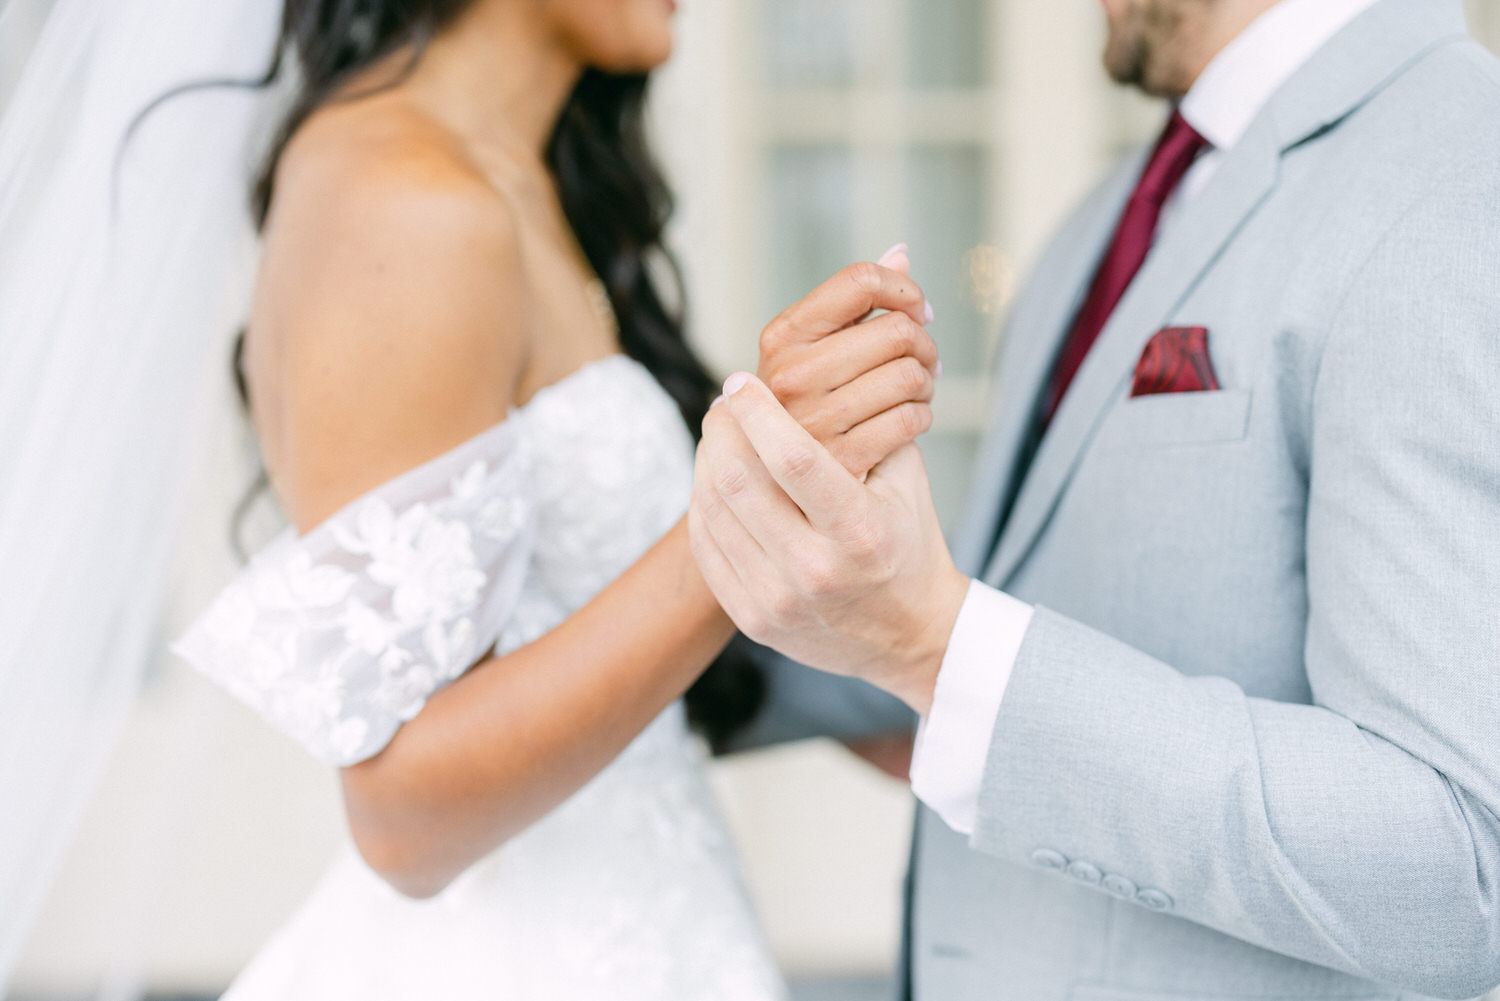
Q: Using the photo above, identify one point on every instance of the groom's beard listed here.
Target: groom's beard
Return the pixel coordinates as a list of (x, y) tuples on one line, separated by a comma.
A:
[(1146, 43)]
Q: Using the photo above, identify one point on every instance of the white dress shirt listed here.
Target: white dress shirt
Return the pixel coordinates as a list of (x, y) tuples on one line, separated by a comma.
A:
[(953, 740)]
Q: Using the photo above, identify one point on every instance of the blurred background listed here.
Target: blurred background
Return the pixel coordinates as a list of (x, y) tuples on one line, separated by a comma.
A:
[(801, 135)]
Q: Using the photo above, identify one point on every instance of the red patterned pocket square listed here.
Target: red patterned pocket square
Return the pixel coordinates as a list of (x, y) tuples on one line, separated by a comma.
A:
[(1175, 361)]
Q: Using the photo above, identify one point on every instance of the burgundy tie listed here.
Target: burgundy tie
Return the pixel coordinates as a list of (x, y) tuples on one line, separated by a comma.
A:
[(1173, 155)]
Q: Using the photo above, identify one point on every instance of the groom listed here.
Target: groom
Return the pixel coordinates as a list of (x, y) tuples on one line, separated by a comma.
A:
[(1209, 685)]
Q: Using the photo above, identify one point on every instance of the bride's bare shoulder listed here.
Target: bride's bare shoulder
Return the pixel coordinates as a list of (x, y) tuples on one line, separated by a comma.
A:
[(391, 308), (380, 165)]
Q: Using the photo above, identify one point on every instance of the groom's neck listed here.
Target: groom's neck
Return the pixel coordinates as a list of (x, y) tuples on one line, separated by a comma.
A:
[(1225, 21), (1163, 46)]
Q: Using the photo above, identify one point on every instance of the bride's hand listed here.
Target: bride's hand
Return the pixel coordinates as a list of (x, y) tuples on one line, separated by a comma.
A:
[(861, 386)]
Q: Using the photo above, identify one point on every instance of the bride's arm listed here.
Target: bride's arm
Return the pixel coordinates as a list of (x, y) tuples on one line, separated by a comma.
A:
[(395, 318), (515, 736)]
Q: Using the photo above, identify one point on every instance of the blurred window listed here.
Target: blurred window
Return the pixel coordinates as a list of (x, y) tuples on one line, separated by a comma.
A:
[(890, 104)]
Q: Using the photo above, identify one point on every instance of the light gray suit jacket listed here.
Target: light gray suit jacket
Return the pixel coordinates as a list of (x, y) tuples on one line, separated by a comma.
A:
[(1251, 745)]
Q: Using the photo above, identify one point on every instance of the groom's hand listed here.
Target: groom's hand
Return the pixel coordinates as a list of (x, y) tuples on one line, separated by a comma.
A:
[(860, 386), (849, 577)]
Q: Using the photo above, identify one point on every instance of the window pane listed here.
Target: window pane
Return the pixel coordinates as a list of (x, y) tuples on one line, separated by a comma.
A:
[(950, 250), (810, 232), (808, 43), (947, 42)]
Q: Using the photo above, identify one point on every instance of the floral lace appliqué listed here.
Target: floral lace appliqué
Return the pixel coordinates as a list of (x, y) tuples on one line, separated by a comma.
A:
[(340, 636)]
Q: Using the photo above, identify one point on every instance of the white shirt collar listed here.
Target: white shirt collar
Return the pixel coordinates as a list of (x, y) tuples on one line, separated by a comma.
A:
[(1240, 80)]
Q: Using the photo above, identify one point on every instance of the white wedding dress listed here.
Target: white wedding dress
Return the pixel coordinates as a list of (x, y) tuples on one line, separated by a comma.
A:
[(627, 891)]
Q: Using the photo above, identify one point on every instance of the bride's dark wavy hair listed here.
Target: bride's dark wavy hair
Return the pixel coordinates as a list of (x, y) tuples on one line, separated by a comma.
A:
[(615, 200)]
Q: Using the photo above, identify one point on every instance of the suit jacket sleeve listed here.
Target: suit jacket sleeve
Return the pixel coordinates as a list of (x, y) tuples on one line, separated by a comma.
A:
[(1360, 832)]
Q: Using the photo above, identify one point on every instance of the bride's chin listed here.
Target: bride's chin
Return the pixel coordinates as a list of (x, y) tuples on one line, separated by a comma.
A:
[(645, 60), (644, 37), (652, 47)]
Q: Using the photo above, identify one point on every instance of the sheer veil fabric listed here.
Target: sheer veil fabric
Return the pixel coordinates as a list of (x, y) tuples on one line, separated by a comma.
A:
[(125, 269)]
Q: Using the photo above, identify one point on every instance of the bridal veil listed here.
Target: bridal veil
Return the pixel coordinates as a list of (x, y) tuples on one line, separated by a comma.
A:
[(126, 253)]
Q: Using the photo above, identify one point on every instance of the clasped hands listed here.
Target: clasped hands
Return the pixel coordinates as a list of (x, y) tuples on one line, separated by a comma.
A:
[(812, 518)]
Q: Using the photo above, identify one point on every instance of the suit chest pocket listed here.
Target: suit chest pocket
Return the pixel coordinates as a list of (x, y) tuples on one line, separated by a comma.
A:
[(1177, 419)]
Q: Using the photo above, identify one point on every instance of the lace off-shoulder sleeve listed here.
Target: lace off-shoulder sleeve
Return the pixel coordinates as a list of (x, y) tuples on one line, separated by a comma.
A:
[(339, 636)]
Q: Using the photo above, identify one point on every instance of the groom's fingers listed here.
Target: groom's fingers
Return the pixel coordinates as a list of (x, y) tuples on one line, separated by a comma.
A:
[(732, 549), (741, 481), (719, 574), (821, 488), (842, 300), (726, 464)]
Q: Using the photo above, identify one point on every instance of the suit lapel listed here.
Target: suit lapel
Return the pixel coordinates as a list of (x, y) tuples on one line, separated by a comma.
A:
[(1174, 266), (1034, 333), (1359, 62), (1356, 64)]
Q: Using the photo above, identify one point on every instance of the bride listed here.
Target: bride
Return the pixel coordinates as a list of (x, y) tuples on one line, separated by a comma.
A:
[(474, 402)]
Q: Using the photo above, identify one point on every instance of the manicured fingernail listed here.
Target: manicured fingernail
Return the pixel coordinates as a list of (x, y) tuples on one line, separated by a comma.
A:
[(890, 255), (735, 383), (927, 313), (937, 370), (717, 400)]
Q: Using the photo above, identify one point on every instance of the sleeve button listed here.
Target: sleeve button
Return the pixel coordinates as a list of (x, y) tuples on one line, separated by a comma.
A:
[(1119, 886), (1154, 899), (1048, 859), (1085, 872)]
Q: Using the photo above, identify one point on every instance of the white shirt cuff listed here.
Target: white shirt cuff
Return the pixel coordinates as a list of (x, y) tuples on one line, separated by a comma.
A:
[(953, 740)]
